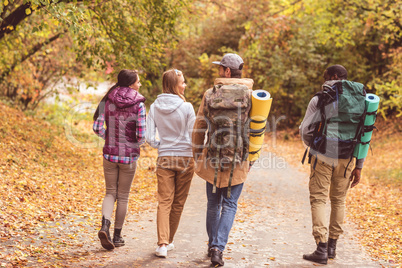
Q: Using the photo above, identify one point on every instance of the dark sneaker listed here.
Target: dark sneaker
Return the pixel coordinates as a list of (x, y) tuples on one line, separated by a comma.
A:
[(217, 257)]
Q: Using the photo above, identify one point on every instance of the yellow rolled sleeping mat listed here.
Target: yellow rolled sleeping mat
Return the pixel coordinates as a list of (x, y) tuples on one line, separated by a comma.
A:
[(260, 106)]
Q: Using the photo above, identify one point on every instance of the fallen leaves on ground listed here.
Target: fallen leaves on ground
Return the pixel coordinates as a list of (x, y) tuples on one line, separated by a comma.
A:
[(375, 205), (51, 189)]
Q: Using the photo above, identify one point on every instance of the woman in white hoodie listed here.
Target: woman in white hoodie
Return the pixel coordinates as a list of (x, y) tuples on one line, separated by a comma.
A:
[(173, 118)]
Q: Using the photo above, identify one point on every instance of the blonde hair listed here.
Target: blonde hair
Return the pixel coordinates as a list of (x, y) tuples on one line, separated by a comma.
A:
[(170, 82)]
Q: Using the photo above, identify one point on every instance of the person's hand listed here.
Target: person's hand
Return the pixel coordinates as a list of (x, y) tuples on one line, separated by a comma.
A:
[(355, 177), (251, 164)]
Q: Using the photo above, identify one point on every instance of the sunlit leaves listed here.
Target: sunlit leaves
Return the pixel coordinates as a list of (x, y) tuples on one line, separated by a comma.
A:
[(124, 34), (375, 204), (288, 51)]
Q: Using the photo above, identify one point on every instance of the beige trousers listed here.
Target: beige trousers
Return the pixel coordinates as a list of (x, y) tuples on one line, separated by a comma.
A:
[(118, 179), (328, 179), (174, 174)]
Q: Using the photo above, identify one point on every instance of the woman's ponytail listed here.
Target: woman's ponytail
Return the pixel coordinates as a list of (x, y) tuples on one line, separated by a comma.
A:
[(101, 106)]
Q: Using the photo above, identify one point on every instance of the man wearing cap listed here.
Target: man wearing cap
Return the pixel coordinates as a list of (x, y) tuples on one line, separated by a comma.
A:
[(221, 209), (331, 174)]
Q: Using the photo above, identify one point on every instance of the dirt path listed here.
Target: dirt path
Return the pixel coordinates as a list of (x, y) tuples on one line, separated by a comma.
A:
[(272, 228)]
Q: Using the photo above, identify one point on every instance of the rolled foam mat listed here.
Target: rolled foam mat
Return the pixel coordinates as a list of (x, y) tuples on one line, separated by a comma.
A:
[(260, 106), (361, 149)]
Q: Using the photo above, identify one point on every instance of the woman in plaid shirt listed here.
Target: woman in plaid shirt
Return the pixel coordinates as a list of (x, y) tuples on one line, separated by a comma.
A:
[(123, 111)]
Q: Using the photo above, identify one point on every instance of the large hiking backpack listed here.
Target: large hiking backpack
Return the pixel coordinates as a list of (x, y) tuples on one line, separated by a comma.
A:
[(226, 109), (340, 121)]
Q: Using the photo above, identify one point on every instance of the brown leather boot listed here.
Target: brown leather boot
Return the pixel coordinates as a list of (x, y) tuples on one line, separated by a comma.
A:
[(209, 252), (217, 257), (118, 240), (320, 255), (331, 248), (104, 235)]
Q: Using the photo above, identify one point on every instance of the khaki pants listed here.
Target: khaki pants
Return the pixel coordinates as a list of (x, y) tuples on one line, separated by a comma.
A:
[(328, 178), (118, 179), (174, 175)]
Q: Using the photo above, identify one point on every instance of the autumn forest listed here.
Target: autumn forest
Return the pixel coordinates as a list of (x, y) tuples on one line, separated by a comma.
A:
[(58, 57)]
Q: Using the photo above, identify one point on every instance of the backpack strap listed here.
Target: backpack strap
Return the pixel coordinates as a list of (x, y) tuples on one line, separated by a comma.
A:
[(361, 127), (255, 152), (315, 162), (359, 132), (317, 128), (259, 121), (238, 126), (344, 175), (246, 141), (233, 164), (257, 132), (304, 156), (218, 152), (372, 113)]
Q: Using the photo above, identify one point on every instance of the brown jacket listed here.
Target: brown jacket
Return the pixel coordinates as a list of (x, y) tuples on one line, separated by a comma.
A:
[(204, 168)]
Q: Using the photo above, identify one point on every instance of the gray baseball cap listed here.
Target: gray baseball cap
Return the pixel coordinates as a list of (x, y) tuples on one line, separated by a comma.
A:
[(231, 60)]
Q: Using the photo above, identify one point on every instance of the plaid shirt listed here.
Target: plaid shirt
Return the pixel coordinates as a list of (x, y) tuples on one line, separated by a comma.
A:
[(99, 129)]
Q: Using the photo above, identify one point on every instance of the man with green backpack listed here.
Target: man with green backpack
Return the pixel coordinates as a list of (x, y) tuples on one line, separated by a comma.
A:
[(331, 127), (222, 160)]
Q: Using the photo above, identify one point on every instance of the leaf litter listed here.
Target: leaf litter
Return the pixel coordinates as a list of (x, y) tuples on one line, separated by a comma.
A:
[(51, 192)]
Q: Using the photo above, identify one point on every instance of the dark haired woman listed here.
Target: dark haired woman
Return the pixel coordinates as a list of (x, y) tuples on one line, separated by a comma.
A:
[(173, 118), (123, 111)]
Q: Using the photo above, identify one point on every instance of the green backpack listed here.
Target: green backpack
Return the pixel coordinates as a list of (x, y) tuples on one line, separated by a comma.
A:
[(340, 121), (226, 109)]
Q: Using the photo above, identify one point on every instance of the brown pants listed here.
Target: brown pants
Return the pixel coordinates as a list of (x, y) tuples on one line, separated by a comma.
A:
[(328, 178), (174, 175)]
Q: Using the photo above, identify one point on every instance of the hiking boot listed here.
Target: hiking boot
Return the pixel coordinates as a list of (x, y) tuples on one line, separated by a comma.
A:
[(331, 248), (209, 252), (104, 235), (118, 240), (217, 257), (320, 255)]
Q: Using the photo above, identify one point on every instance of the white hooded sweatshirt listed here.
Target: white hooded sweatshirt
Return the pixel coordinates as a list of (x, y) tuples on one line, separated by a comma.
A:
[(174, 120)]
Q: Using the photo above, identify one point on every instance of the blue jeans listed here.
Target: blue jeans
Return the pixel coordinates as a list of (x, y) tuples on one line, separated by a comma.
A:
[(221, 212)]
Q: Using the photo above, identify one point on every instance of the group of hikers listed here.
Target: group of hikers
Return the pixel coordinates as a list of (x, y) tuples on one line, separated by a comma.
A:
[(203, 144)]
